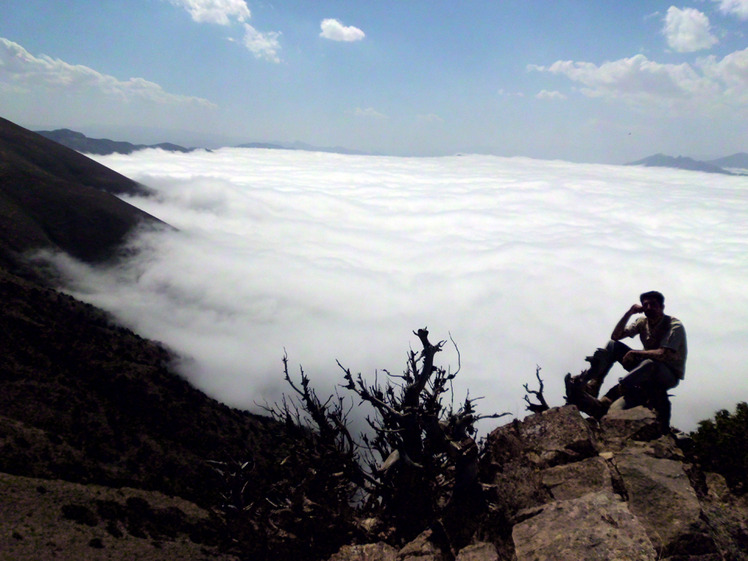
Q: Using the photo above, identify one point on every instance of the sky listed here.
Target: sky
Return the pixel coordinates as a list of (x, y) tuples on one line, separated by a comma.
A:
[(580, 81), (523, 263)]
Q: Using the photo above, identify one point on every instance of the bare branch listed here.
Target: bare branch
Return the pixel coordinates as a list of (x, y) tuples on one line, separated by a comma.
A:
[(542, 405)]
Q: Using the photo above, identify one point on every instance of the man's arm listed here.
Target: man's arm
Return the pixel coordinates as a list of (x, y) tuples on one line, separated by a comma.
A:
[(663, 354), (619, 331)]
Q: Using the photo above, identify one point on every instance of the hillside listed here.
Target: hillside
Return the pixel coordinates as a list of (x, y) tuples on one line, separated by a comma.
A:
[(85, 401), (53, 197)]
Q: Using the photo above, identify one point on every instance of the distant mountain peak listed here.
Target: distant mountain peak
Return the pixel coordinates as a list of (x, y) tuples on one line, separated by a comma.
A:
[(738, 160), (103, 146), (679, 162)]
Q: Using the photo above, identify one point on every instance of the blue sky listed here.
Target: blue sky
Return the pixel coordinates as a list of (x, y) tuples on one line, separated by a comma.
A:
[(603, 81)]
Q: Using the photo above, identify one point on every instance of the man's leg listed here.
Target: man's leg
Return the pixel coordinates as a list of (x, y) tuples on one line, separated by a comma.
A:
[(600, 364), (647, 385)]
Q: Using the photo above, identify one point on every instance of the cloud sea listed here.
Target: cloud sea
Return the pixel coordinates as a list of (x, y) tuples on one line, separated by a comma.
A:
[(522, 262)]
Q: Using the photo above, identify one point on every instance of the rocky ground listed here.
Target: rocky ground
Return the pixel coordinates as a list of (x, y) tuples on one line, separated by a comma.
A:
[(54, 519), (563, 487)]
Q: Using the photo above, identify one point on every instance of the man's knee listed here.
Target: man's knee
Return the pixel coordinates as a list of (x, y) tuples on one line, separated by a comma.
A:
[(617, 350)]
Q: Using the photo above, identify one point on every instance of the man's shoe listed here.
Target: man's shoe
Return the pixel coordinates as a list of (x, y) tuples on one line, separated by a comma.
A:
[(576, 395)]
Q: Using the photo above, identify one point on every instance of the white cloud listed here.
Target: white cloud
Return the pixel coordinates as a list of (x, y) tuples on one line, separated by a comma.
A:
[(335, 31), (708, 84), (264, 45), (21, 70), (524, 262), (429, 118), (687, 30), (369, 112), (731, 72), (737, 8), (215, 11), (505, 93), (545, 94)]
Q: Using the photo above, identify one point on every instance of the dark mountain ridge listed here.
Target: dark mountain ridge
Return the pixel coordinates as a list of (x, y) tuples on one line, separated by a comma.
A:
[(682, 162), (739, 160), (103, 146)]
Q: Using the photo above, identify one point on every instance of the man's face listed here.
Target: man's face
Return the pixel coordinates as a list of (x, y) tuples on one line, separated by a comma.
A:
[(652, 308)]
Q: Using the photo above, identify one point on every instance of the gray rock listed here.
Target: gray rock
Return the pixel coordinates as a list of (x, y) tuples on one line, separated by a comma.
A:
[(571, 481), (516, 488), (478, 552), (369, 552), (595, 527), (557, 436), (661, 496), (637, 423), (421, 549)]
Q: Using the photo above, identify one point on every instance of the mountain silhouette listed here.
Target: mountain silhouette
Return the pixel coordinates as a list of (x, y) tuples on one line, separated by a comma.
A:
[(739, 160), (680, 162), (103, 146)]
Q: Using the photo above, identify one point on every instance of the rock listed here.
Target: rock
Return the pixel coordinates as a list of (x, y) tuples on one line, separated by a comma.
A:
[(728, 525), (571, 481), (516, 488), (557, 436), (717, 486), (662, 498), (478, 552), (369, 552), (637, 423), (558, 491), (422, 549), (597, 526)]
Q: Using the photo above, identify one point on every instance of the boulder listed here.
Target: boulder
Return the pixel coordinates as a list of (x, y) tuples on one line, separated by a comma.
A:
[(369, 552), (557, 436), (422, 548), (481, 551), (637, 423), (571, 481), (660, 495), (595, 527)]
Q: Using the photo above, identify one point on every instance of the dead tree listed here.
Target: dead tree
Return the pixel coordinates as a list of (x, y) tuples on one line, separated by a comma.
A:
[(542, 405), (419, 445), (417, 461)]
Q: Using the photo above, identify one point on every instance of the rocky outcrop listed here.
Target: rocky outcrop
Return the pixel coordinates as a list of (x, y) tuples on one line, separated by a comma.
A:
[(564, 487)]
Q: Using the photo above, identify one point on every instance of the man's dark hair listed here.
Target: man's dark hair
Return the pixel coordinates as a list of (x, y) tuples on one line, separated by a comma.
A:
[(653, 294)]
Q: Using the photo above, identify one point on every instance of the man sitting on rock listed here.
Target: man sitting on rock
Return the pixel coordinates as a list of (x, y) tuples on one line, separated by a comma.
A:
[(651, 371)]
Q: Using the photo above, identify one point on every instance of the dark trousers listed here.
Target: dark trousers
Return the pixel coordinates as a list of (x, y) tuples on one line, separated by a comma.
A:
[(646, 383)]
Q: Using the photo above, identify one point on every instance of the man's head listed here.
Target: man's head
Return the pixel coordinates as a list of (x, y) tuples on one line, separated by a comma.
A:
[(653, 303)]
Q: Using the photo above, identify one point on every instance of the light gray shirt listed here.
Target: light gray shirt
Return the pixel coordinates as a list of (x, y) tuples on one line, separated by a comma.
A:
[(668, 333)]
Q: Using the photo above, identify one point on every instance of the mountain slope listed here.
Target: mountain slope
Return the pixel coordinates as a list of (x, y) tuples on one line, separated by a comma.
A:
[(54, 197), (81, 398)]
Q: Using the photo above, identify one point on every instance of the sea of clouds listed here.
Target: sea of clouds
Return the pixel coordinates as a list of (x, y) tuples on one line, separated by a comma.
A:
[(522, 262)]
